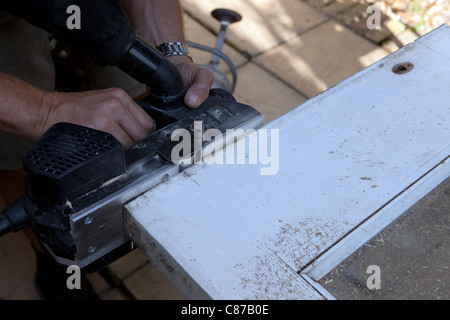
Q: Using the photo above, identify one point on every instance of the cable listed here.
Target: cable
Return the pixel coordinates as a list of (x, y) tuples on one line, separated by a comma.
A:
[(13, 218), (5, 226), (221, 55)]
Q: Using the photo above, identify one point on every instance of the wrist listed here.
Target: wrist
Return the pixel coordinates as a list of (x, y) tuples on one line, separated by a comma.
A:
[(48, 102), (26, 113), (179, 59)]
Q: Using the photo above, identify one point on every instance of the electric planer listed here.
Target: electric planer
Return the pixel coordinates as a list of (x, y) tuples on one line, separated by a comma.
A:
[(78, 179)]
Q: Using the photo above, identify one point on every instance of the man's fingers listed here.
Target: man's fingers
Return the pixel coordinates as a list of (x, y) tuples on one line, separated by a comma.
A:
[(145, 121), (109, 110), (137, 123), (120, 134), (198, 80), (130, 116), (135, 130), (196, 95), (199, 89)]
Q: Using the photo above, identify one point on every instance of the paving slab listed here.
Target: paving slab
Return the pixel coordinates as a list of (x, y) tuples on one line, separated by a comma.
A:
[(261, 90), (265, 23), (332, 7), (113, 294), (356, 18), (195, 32), (17, 268), (321, 58), (395, 27), (128, 264), (400, 40), (99, 284), (149, 284)]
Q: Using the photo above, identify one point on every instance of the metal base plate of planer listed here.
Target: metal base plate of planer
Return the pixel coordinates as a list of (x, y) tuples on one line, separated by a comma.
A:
[(79, 179)]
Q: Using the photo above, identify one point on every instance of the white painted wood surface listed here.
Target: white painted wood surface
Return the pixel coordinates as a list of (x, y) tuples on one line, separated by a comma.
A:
[(356, 156)]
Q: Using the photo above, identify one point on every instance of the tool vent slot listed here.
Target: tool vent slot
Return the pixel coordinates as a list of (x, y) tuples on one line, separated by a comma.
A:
[(68, 151)]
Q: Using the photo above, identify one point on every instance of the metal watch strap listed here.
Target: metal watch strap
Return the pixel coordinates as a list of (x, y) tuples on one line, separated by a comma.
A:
[(174, 49)]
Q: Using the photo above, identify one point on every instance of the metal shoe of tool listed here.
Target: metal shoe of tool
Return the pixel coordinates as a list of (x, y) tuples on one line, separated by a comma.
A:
[(225, 17)]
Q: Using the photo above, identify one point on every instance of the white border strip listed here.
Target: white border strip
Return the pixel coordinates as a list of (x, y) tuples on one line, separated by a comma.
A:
[(369, 229), (317, 287)]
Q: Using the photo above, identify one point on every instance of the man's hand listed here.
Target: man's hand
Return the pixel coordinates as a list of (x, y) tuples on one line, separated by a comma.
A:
[(28, 111), (110, 110), (161, 21), (197, 80)]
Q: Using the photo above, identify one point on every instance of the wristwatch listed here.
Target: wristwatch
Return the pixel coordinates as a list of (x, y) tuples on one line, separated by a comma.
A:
[(174, 49)]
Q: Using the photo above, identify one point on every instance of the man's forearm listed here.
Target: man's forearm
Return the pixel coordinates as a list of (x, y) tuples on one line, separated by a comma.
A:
[(156, 21), (19, 106)]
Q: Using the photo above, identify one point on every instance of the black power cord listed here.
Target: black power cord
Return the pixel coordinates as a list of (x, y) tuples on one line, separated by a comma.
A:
[(13, 218), (5, 226)]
